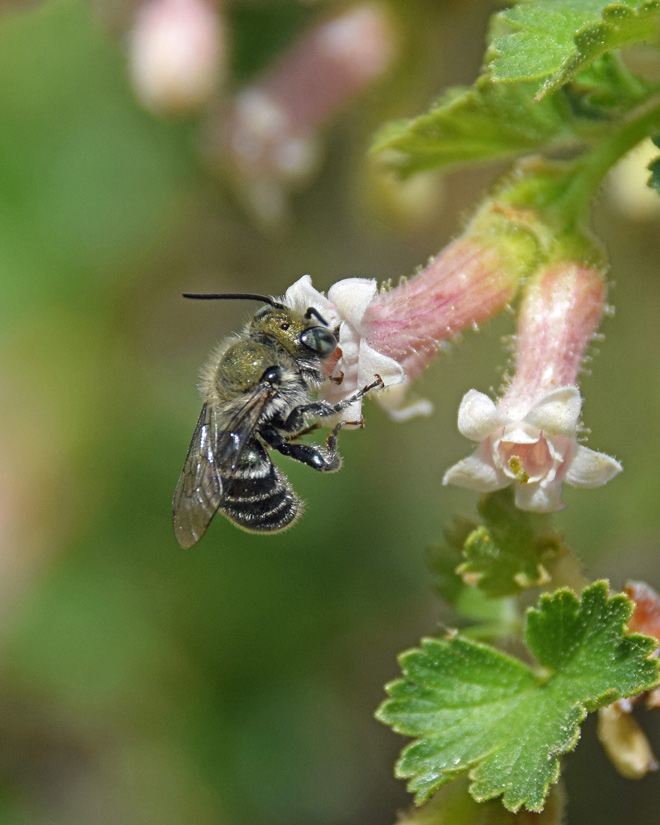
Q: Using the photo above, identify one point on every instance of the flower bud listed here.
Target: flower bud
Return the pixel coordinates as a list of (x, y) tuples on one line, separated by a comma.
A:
[(177, 52), (268, 137), (625, 743), (646, 620)]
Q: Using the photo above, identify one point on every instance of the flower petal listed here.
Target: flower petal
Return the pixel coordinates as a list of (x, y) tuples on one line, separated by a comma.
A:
[(535, 498), (476, 472), (590, 469), (301, 295), (352, 296), (557, 412), (478, 416), (372, 363)]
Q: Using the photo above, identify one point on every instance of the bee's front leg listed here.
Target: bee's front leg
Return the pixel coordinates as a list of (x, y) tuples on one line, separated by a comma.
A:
[(322, 409), (324, 459)]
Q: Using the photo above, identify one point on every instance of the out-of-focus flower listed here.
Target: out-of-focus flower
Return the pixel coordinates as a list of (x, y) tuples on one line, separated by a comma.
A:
[(267, 138), (177, 54), (530, 436), (627, 184)]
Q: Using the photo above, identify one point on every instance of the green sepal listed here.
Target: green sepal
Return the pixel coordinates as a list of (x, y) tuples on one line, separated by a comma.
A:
[(511, 551), (607, 89), (477, 711), (476, 614), (551, 40)]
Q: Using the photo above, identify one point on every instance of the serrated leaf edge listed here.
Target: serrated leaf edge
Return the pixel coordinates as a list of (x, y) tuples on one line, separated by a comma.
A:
[(576, 61), (599, 592)]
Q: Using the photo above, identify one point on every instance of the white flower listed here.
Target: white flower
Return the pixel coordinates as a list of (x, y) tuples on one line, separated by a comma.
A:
[(358, 363), (540, 451)]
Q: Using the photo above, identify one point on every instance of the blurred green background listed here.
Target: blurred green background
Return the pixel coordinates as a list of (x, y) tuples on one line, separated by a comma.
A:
[(235, 683)]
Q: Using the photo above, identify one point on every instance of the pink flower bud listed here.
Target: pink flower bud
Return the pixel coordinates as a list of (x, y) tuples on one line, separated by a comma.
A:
[(559, 314), (646, 620), (176, 54)]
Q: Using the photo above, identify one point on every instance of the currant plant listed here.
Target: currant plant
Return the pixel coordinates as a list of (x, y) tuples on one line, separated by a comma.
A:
[(568, 88), (559, 99)]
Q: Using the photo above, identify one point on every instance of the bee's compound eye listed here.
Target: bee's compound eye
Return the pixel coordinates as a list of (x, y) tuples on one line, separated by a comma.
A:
[(319, 340), (273, 375)]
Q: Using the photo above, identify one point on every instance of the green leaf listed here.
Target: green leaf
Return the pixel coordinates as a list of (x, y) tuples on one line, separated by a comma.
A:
[(511, 551), (475, 613), (484, 122), (480, 712), (551, 40)]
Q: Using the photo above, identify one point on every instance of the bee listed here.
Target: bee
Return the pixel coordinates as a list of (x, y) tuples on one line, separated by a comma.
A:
[(258, 389)]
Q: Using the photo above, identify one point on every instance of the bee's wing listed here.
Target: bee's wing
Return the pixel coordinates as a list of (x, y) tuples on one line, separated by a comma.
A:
[(216, 447), (199, 491)]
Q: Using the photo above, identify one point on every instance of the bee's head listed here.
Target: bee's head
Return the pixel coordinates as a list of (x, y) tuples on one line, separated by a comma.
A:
[(299, 334)]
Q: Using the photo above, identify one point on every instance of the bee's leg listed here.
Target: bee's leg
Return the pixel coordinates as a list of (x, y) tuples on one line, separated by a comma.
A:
[(324, 459), (312, 428), (331, 440), (323, 409)]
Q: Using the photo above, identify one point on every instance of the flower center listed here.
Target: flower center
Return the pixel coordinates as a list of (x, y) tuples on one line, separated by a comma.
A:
[(526, 462)]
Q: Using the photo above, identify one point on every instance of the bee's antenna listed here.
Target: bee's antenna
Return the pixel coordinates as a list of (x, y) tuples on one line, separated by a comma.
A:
[(311, 311), (250, 296)]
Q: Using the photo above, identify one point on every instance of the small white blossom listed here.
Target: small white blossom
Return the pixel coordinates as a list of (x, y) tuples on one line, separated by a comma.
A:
[(539, 451), (358, 363)]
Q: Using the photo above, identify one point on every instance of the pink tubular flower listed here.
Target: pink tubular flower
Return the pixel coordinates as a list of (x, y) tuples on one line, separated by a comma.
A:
[(357, 363), (530, 436), (465, 284), (176, 54), (396, 332), (268, 137)]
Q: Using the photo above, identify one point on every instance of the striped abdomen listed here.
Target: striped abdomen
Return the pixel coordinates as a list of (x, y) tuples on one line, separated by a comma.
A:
[(258, 496)]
